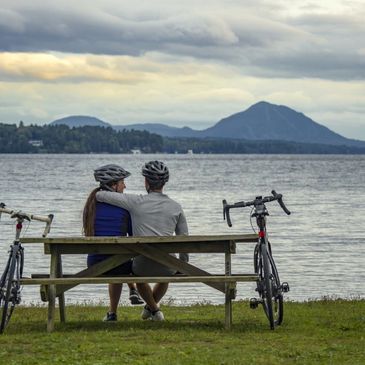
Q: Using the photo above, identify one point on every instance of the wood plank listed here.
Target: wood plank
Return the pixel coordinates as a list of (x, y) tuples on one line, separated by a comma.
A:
[(139, 279), (144, 239), (187, 247), (46, 276)]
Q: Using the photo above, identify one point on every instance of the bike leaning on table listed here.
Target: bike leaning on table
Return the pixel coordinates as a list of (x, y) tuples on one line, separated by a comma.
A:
[(10, 279), (269, 287)]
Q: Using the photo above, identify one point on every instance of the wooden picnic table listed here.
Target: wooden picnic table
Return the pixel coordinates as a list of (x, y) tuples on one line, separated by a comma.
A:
[(157, 248)]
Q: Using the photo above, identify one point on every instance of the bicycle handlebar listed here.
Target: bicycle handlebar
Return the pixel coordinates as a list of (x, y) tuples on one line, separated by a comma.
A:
[(279, 198), (29, 217), (256, 202)]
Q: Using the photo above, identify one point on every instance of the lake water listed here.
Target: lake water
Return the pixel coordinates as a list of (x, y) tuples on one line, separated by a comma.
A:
[(319, 249)]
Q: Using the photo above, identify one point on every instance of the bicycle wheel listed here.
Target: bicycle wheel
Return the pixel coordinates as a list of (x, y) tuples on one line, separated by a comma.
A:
[(277, 296), (7, 291), (267, 287), (3, 280), (268, 284)]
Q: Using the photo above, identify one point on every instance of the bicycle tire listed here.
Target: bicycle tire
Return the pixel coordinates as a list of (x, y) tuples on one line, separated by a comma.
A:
[(267, 292), (3, 282), (278, 300), (274, 308), (259, 270), (8, 283)]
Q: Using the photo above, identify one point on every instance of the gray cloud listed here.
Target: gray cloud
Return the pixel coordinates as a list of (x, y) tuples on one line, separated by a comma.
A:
[(269, 45)]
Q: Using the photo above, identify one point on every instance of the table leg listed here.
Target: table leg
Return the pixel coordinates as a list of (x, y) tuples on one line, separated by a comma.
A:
[(228, 301), (61, 297), (52, 293)]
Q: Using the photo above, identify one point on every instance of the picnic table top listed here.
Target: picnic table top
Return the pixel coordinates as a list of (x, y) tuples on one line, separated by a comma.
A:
[(139, 239)]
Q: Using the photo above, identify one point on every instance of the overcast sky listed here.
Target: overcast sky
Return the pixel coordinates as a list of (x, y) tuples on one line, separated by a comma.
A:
[(183, 63)]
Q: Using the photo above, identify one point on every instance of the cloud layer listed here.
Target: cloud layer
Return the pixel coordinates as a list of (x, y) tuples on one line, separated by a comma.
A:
[(306, 45)]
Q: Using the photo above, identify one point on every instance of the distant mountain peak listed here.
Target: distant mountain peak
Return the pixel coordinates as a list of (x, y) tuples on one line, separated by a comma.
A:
[(262, 103), (266, 105), (80, 121)]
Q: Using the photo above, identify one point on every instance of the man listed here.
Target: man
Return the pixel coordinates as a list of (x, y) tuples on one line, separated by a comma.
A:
[(153, 214)]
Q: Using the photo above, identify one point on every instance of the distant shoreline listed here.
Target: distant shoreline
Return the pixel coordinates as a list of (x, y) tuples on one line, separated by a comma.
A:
[(185, 154)]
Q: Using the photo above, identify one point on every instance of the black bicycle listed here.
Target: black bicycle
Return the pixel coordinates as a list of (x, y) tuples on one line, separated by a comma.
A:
[(269, 287), (10, 289)]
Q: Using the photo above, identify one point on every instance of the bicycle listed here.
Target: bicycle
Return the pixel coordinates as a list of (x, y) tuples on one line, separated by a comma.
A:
[(10, 290), (268, 287)]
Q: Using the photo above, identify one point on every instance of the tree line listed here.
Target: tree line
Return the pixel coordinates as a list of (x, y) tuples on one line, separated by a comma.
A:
[(235, 146), (89, 139)]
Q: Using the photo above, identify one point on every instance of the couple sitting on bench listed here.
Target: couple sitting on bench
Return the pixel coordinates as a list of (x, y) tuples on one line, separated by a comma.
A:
[(109, 212)]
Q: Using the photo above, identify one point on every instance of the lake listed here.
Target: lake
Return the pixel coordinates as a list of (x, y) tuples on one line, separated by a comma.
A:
[(319, 249)]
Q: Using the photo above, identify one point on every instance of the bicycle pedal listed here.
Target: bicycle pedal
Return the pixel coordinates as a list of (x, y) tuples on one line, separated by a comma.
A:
[(254, 303), (285, 287)]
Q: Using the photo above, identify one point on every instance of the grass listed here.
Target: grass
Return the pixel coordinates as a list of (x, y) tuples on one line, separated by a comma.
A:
[(317, 332)]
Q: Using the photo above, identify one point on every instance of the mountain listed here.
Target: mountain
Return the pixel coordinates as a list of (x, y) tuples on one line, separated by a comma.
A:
[(80, 121), (265, 121), (260, 122)]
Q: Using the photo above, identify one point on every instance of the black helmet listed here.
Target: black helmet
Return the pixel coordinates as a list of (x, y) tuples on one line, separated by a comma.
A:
[(156, 172), (110, 174)]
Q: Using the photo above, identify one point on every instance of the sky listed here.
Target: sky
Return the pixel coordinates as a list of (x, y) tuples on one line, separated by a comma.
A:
[(182, 63)]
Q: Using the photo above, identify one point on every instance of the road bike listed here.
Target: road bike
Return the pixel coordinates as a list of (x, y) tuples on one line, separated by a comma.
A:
[(10, 288), (269, 288)]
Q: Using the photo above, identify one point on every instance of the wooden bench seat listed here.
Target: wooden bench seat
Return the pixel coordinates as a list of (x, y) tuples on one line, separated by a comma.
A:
[(66, 280)]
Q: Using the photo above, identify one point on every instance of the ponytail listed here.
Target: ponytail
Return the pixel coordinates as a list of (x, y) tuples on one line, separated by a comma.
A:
[(88, 217)]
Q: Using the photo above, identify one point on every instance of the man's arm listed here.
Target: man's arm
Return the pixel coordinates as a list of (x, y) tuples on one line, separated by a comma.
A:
[(182, 226), (126, 201), (182, 229)]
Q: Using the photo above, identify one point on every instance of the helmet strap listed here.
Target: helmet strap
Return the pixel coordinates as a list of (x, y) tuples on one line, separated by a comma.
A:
[(147, 186)]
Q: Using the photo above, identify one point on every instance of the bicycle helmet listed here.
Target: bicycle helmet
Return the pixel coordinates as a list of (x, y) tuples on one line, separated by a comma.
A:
[(156, 172), (108, 174)]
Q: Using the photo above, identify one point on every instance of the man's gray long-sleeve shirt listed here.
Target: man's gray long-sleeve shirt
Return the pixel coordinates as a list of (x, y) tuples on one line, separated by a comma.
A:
[(153, 214)]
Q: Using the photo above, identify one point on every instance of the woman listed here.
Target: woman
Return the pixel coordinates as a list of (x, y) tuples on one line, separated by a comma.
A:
[(102, 219), (153, 214)]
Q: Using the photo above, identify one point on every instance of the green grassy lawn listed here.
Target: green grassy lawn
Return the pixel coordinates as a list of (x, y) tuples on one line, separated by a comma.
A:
[(318, 332)]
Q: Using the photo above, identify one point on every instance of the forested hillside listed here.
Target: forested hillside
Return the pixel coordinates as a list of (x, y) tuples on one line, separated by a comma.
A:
[(62, 139), (89, 139)]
